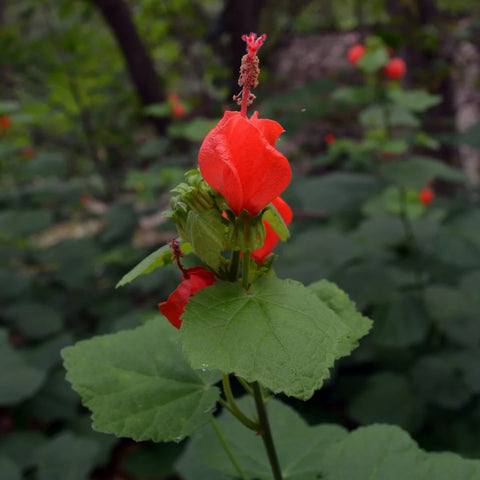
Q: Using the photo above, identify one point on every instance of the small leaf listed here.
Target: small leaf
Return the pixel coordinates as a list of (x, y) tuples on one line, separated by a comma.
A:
[(159, 258), (437, 380), (373, 60), (19, 380), (279, 333), (65, 457), (139, 384), (402, 322), (34, 320), (387, 398), (416, 172), (414, 100), (8, 470)]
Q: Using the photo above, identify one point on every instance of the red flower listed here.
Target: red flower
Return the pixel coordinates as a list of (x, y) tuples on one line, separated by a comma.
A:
[(330, 138), (238, 160), (178, 110), (395, 68), (271, 237), (355, 53), (28, 152), (194, 279), (426, 196), (5, 122)]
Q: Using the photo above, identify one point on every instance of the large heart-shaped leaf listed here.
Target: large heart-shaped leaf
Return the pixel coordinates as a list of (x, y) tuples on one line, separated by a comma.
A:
[(279, 333), (139, 384)]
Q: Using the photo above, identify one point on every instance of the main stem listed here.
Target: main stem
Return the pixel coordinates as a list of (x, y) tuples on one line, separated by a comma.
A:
[(265, 431)]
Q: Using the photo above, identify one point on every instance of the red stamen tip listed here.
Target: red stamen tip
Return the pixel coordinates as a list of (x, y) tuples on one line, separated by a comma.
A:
[(253, 43)]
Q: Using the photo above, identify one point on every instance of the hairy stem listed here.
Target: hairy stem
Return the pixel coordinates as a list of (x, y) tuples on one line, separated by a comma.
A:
[(265, 431), (233, 407)]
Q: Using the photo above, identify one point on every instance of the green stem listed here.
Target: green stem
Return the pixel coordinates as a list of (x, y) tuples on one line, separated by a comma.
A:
[(227, 448), (245, 269), (265, 431), (234, 407), (245, 385), (234, 265), (411, 240)]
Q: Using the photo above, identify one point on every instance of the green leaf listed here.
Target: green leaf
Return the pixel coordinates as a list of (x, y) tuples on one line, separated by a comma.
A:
[(159, 258), (380, 452), (158, 110), (194, 131), (355, 95), (299, 447), (335, 192), (416, 172), (18, 380), (15, 444), (139, 384), (8, 470), (437, 381), (387, 398), (328, 452), (414, 100), (402, 322), (338, 301), (34, 320), (373, 60), (279, 333), (65, 457)]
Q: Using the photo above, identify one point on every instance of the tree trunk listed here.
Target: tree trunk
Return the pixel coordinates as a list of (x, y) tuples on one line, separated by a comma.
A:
[(140, 66)]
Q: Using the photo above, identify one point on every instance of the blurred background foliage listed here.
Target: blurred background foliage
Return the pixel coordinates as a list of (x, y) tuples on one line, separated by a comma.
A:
[(103, 105)]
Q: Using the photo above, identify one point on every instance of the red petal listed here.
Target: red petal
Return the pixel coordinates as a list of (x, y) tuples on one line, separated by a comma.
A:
[(239, 161)]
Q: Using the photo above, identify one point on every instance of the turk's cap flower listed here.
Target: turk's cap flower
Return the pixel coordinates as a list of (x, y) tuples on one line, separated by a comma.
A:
[(395, 68), (426, 196), (238, 159), (272, 237), (330, 138), (194, 279), (355, 53)]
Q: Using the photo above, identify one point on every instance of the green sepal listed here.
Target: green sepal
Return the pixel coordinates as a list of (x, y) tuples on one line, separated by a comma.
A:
[(275, 220), (206, 231), (159, 258), (246, 232)]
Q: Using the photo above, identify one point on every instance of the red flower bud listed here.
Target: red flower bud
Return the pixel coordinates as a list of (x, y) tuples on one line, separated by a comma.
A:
[(271, 237), (178, 109), (355, 53), (28, 152), (5, 122), (194, 279), (395, 68), (238, 160), (330, 138), (426, 196)]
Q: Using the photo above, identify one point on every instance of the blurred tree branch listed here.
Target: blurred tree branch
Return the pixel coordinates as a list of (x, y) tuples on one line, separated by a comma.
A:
[(116, 14)]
